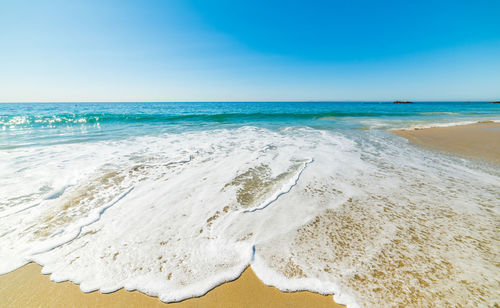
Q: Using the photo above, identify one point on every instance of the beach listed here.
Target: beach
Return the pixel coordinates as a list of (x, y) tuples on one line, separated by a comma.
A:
[(27, 287), (258, 204), (255, 154), (475, 141)]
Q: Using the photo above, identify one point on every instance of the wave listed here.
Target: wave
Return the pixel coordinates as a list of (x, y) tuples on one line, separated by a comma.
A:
[(357, 214), (100, 118), (449, 124)]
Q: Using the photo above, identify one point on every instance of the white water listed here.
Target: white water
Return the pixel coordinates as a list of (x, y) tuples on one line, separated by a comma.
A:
[(364, 216)]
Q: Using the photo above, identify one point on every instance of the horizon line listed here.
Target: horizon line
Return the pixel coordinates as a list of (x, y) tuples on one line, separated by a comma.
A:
[(257, 101)]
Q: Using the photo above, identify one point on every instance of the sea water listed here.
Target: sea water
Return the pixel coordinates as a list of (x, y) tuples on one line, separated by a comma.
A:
[(173, 199)]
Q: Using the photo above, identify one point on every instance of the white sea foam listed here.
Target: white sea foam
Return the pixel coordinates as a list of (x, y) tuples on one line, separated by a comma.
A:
[(448, 124), (387, 123), (362, 215)]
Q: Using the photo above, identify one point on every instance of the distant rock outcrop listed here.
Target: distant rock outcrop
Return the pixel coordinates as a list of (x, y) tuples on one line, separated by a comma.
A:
[(496, 102), (403, 102)]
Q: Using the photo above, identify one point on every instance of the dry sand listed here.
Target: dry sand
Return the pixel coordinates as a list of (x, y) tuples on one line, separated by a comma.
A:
[(476, 141), (27, 287)]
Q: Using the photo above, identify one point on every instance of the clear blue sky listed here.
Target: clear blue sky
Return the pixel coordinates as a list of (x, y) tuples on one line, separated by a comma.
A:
[(249, 50)]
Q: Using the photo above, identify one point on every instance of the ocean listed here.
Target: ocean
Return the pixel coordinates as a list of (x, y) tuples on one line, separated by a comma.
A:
[(173, 199)]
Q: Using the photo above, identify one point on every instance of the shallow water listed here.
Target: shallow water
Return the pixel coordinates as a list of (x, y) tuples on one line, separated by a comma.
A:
[(174, 199)]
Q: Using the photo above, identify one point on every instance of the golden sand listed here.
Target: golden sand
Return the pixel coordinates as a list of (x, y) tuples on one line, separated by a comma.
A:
[(27, 287), (476, 141)]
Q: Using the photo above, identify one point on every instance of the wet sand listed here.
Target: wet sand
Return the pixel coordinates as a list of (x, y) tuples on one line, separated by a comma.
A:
[(27, 287), (476, 141)]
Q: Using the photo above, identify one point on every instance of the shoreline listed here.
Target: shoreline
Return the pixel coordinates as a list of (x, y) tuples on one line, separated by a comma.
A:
[(28, 287), (477, 141), (445, 124)]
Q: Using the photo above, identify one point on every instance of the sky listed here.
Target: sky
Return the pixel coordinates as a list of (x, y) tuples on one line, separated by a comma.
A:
[(221, 50)]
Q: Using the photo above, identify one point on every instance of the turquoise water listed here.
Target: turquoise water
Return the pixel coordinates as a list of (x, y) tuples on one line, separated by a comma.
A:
[(52, 123), (173, 199)]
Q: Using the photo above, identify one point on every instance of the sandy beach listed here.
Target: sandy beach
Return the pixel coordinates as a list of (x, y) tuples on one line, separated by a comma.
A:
[(235, 154), (477, 141), (27, 287)]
